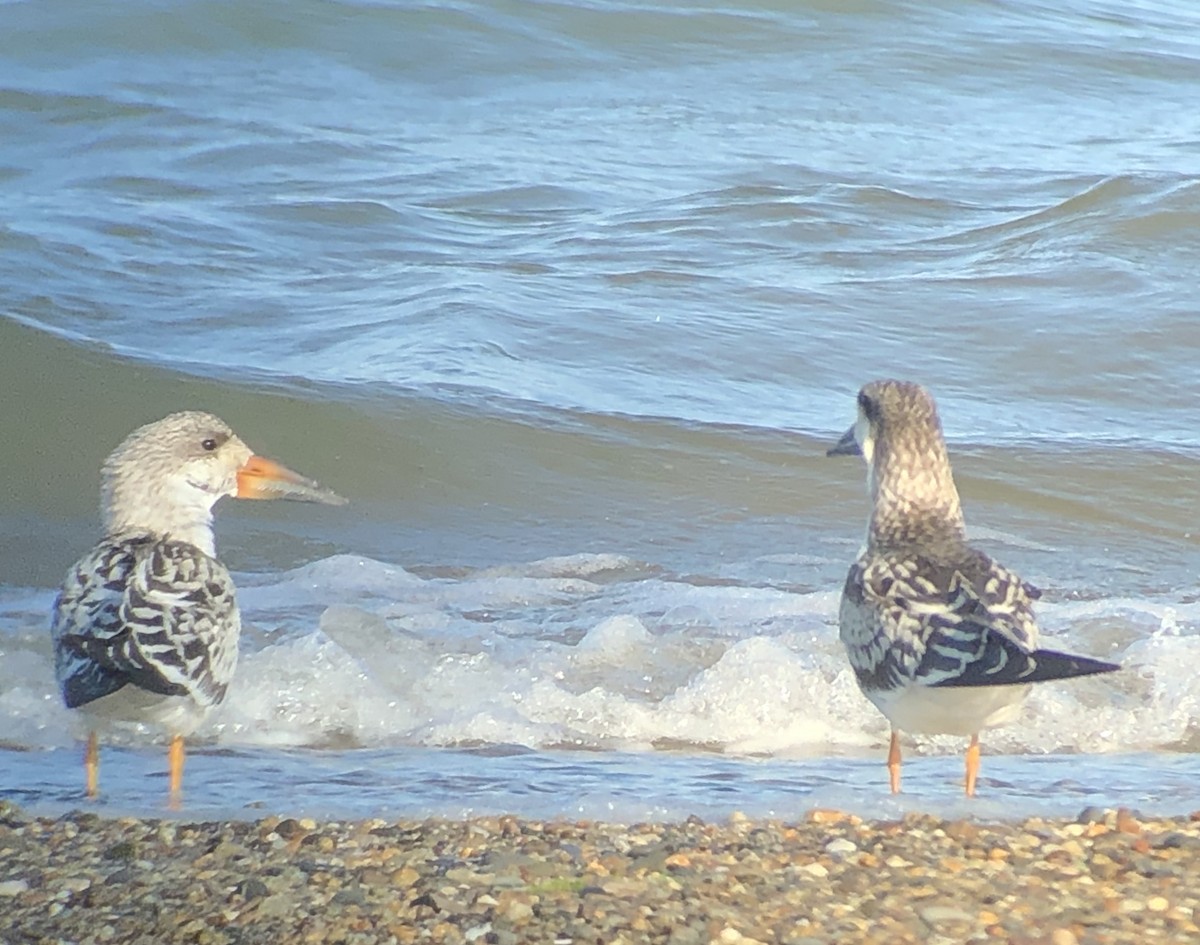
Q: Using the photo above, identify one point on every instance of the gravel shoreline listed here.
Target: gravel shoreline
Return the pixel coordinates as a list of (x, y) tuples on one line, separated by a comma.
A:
[(1106, 877)]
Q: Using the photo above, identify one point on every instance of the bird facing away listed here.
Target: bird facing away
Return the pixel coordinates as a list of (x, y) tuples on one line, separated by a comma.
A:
[(146, 625), (942, 639)]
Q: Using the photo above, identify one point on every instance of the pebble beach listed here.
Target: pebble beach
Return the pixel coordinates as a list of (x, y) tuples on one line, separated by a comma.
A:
[(1106, 876)]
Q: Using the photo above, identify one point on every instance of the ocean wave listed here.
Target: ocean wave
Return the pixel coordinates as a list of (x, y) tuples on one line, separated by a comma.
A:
[(601, 653)]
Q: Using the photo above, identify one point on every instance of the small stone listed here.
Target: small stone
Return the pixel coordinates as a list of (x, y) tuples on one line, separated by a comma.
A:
[(289, 829), (1158, 904), (961, 830), (729, 936), (815, 869), (252, 888), (687, 935), (840, 847), (1063, 937), (516, 911), (1126, 822), (935, 915), (124, 850), (426, 901), (10, 814), (352, 895), (826, 816), (275, 907), (13, 887)]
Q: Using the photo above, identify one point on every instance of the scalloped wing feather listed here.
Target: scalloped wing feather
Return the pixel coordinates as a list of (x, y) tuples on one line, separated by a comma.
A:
[(913, 617), (151, 612)]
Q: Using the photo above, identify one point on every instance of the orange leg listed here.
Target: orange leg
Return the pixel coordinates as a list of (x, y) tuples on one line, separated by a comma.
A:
[(175, 767), (91, 765), (972, 764), (894, 762)]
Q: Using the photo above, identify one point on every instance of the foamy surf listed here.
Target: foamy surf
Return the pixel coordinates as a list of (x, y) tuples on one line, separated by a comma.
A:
[(603, 653)]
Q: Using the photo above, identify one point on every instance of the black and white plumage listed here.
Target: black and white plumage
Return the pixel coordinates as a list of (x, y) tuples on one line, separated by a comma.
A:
[(942, 639), (151, 612), (146, 625)]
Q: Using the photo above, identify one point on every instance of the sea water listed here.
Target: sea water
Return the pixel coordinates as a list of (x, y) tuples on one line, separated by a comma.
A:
[(569, 299)]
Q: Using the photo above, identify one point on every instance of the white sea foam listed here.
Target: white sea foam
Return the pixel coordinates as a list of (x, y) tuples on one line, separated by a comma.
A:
[(600, 653)]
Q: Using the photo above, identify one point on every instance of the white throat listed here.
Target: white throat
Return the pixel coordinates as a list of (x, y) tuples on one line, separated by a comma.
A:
[(172, 507)]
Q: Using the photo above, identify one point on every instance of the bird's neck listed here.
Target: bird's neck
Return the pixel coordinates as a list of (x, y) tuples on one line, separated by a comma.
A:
[(164, 513), (913, 499)]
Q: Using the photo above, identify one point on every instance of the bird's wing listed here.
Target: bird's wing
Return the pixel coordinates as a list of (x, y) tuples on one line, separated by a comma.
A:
[(152, 612), (959, 621)]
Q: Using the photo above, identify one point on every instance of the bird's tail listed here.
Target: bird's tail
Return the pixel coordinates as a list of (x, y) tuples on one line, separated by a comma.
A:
[(1003, 663), (1050, 664)]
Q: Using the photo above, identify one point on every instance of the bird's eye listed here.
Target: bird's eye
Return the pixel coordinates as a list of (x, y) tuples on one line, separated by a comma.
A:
[(210, 444)]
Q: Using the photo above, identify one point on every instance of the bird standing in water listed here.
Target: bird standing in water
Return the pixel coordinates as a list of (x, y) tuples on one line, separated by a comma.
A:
[(942, 639), (146, 625)]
